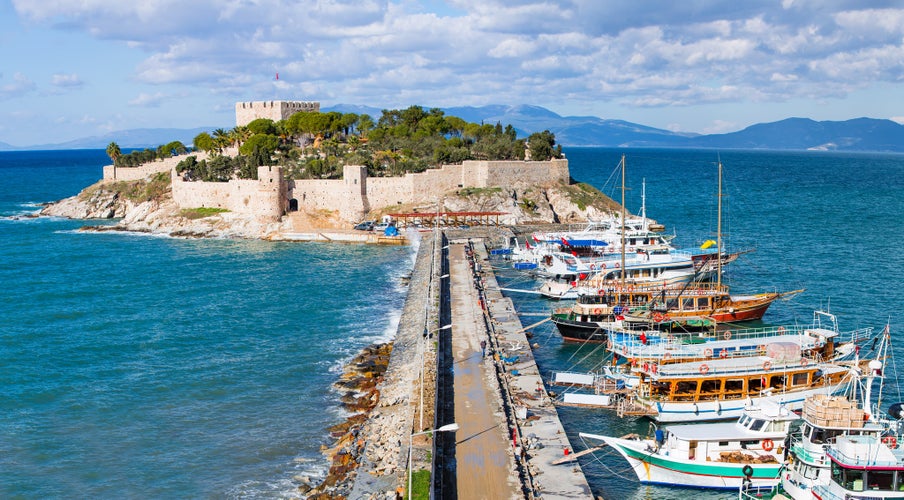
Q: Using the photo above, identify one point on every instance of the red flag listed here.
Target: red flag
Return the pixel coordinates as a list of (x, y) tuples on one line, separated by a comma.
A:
[(277, 75), (574, 253), (535, 238)]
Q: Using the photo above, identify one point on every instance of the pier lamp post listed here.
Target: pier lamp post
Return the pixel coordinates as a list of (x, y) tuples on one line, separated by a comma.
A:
[(421, 426), (446, 428)]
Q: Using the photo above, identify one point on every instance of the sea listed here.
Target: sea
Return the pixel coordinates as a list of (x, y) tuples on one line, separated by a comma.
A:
[(143, 366)]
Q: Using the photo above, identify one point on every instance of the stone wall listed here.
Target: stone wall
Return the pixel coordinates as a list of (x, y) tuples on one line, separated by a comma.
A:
[(112, 173), (246, 112), (264, 197)]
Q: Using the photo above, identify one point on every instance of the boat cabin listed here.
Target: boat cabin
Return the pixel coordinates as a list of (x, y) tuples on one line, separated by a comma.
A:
[(865, 466)]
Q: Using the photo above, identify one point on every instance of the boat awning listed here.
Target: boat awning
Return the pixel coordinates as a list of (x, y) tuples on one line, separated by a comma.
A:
[(723, 431)]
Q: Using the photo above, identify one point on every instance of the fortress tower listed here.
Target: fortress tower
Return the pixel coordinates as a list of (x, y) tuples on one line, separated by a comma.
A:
[(246, 112)]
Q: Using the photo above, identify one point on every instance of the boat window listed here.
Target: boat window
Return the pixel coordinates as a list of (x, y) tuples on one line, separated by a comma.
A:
[(799, 378), (686, 387), (809, 472), (710, 386), (849, 479), (702, 302), (819, 436), (757, 425), (880, 480), (756, 385), (743, 420), (687, 304), (734, 385), (723, 444)]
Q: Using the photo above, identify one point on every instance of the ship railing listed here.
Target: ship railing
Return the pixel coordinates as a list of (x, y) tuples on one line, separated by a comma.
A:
[(767, 366), (871, 460), (656, 345)]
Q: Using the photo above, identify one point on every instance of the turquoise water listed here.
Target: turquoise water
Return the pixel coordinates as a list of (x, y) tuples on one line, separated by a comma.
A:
[(826, 222), (137, 366)]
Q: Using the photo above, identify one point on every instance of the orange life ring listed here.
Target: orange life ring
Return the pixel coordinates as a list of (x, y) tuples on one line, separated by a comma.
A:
[(804, 361), (767, 365), (602, 266), (704, 369), (653, 368), (667, 356), (601, 292), (890, 441), (767, 445), (657, 317), (630, 288), (597, 311), (723, 353), (781, 329), (727, 335), (708, 352), (762, 347)]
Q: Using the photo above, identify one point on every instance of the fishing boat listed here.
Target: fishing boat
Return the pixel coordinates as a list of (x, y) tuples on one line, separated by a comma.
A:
[(825, 419), (711, 455)]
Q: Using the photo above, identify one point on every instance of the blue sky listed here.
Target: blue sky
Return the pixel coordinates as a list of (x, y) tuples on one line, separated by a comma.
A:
[(77, 68)]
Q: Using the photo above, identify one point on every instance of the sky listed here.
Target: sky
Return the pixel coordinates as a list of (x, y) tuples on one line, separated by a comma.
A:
[(71, 69)]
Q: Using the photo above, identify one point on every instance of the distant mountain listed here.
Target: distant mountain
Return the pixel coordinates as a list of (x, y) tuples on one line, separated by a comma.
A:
[(139, 138), (861, 134)]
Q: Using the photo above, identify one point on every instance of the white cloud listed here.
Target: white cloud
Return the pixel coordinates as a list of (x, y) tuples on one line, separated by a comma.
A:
[(63, 80), (19, 86), (148, 100)]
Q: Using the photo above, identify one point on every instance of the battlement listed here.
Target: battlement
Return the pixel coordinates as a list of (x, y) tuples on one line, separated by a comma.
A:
[(246, 112)]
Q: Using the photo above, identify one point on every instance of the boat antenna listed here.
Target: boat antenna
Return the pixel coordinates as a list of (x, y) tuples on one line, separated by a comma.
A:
[(623, 273), (719, 233), (643, 202)]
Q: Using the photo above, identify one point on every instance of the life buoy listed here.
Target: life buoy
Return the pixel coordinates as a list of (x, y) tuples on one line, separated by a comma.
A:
[(597, 311), (593, 267), (890, 441), (646, 367), (616, 265), (601, 292), (630, 288), (723, 353), (602, 266), (781, 329), (804, 361), (667, 356), (708, 352), (704, 369), (767, 445), (657, 317), (762, 348), (654, 368), (727, 335), (767, 365)]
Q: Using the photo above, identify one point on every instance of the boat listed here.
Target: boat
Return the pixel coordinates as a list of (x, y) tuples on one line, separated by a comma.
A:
[(720, 388), (706, 300), (825, 419), (718, 455)]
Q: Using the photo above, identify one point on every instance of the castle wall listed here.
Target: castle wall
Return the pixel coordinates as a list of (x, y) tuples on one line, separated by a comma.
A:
[(264, 197), (246, 112), (112, 173)]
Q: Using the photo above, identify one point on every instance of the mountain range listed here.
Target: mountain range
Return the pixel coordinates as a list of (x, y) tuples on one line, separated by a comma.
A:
[(860, 134)]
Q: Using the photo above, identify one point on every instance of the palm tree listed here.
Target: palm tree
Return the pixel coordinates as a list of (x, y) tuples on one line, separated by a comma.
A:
[(113, 151)]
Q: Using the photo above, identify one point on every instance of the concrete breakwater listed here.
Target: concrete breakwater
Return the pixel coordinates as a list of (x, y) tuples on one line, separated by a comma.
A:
[(477, 370)]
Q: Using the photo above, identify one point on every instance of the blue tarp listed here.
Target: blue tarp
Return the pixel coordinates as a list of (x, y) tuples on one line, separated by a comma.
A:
[(587, 243)]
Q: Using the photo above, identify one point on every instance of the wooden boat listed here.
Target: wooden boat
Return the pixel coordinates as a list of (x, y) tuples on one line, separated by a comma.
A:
[(720, 388), (711, 455)]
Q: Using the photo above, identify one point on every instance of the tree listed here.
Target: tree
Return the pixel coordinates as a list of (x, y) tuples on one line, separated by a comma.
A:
[(113, 151), (541, 146), (203, 142)]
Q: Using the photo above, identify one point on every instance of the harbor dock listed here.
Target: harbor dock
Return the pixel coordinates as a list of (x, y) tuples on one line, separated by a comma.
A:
[(461, 363)]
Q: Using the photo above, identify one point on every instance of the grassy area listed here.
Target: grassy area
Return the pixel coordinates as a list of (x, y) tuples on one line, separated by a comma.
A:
[(421, 484), (473, 191), (201, 212), (135, 191)]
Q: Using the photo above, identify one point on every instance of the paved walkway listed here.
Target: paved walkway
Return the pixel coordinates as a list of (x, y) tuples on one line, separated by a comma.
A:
[(485, 465)]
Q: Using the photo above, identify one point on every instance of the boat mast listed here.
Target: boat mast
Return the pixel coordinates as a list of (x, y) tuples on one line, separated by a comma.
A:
[(719, 234), (623, 273)]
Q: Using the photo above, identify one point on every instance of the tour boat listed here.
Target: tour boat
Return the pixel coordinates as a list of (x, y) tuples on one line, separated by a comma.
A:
[(711, 455), (720, 388)]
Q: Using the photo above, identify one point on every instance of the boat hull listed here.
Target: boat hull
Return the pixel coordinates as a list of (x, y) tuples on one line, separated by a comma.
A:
[(655, 468), (686, 411), (579, 331)]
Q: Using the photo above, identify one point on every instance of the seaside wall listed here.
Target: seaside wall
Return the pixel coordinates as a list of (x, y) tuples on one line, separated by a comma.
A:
[(357, 194), (264, 197), (112, 173)]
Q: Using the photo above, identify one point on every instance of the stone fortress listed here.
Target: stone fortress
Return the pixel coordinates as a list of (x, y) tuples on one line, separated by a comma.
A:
[(272, 195)]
